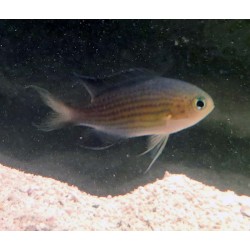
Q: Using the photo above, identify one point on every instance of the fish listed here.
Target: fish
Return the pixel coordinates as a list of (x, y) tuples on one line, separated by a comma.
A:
[(132, 103)]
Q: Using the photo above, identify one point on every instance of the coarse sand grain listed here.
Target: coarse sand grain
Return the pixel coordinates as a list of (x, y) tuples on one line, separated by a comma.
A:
[(175, 202)]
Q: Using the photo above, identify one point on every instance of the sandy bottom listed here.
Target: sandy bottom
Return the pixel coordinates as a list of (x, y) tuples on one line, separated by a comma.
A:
[(175, 202)]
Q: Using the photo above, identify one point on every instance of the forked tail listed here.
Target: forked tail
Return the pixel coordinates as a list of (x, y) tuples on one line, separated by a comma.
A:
[(61, 115)]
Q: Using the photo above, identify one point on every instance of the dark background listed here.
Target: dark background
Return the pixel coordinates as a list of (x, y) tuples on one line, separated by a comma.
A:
[(97, 46), (213, 54)]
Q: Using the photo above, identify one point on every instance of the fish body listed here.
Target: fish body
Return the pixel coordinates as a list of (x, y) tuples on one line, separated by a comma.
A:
[(157, 106), (136, 103)]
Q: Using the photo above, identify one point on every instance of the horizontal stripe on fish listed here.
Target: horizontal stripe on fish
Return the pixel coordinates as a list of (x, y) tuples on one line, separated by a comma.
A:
[(106, 109), (117, 100), (126, 113), (144, 117), (119, 112), (131, 100), (129, 106), (142, 124), (132, 127)]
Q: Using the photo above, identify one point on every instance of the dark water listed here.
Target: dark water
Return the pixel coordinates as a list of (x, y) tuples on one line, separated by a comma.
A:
[(211, 54)]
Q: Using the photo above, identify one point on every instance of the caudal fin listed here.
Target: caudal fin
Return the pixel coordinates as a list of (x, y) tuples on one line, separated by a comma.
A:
[(61, 115)]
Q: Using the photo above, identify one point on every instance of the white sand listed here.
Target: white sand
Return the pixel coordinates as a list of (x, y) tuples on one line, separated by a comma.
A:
[(29, 202)]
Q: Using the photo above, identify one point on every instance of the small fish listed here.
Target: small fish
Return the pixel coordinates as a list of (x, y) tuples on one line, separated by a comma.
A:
[(133, 103)]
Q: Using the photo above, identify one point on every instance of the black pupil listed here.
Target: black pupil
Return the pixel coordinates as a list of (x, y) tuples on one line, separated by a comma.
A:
[(200, 104)]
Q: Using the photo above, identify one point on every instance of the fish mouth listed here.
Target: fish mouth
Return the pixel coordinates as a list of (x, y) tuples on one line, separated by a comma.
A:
[(212, 106)]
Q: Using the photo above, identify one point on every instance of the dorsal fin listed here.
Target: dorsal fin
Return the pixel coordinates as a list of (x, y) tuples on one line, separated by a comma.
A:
[(128, 76), (97, 85), (93, 85)]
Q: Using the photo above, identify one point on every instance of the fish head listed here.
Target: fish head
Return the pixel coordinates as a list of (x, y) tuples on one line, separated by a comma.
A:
[(190, 105)]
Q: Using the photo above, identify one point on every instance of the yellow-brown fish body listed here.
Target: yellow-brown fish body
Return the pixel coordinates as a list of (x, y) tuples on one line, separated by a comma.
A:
[(138, 104), (157, 106)]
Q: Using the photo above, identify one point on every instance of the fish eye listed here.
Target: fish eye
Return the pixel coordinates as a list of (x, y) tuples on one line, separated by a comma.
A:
[(200, 103)]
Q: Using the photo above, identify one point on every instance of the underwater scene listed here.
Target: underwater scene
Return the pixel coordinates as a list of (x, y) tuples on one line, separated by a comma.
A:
[(125, 124)]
